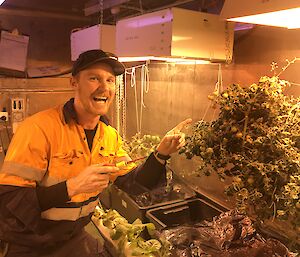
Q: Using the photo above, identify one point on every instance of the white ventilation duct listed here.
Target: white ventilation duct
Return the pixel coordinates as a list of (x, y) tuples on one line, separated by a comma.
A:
[(281, 13), (94, 37), (176, 33)]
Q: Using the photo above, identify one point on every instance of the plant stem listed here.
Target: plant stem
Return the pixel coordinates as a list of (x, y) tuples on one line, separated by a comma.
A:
[(246, 124)]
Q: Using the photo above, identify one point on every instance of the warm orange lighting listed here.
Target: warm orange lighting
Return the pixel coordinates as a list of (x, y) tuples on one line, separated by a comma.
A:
[(164, 59), (179, 38), (289, 18)]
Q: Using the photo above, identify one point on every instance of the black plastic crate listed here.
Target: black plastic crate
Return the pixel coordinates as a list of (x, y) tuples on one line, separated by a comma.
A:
[(105, 198), (126, 203), (186, 212)]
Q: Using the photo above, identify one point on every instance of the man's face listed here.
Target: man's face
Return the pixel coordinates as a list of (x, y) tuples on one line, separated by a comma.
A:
[(94, 90)]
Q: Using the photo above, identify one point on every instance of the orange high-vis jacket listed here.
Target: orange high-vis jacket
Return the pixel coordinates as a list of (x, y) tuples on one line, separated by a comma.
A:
[(49, 148)]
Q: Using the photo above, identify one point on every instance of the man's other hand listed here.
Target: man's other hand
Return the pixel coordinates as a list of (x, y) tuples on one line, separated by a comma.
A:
[(93, 178)]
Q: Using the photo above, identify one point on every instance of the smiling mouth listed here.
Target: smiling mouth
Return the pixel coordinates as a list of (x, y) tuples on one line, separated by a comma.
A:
[(100, 99)]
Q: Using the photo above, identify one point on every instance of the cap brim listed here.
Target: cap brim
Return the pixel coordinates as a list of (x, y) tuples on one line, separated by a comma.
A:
[(117, 67)]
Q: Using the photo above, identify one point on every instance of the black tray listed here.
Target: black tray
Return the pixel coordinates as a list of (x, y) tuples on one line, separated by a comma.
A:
[(186, 212), (125, 203), (105, 198)]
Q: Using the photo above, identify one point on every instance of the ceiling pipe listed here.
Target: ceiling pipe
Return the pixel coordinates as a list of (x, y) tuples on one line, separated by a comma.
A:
[(179, 2), (41, 14), (89, 10), (94, 6)]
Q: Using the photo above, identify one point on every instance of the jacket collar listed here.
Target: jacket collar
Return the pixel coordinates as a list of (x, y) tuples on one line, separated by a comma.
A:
[(69, 113)]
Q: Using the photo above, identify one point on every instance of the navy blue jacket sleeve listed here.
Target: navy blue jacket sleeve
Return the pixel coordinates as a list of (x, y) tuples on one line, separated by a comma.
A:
[(149, 174)]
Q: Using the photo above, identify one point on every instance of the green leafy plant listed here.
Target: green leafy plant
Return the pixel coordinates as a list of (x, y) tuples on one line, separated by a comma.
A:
[(128, 235), (256, 142), (139, 146)]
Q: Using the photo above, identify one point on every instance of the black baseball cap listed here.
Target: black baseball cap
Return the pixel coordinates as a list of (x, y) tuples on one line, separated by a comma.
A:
[(91, 57)]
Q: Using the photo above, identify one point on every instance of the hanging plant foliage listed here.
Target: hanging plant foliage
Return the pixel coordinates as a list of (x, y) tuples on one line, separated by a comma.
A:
[(141, 145), (256, 142)]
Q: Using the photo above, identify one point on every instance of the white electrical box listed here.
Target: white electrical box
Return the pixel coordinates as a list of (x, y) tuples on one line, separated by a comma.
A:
[(4, 116), (96, 37), (175, 32)]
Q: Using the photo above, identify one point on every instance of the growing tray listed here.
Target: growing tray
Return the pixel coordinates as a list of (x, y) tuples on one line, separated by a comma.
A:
[(129, 204), (181, 213)]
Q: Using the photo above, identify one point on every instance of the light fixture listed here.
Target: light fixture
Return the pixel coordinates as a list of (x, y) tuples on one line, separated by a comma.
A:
[(279, 13), (163, 59), (1, 1)]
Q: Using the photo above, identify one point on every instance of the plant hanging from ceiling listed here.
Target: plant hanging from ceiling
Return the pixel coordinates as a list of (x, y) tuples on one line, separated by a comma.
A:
[(256, 142)]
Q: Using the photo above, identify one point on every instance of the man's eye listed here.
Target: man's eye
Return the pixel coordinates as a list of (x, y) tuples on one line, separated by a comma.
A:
[(111, 80), (93, 78)]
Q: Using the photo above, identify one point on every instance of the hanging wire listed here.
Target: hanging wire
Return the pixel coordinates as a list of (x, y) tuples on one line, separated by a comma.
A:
[(101, 12), (142, 105), (206, 111), (218, 89), (120, 104), (117, 102), (220, 79), (133, 85), (228, 51), (141, 7), (144, 88), (146, 77), (219, 85), (123, 109)]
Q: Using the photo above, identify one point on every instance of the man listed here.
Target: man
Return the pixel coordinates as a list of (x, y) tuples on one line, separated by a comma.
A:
[(60, 160)]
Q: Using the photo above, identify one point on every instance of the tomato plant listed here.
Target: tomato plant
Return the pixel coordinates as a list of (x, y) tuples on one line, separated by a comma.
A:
[(256, 141)]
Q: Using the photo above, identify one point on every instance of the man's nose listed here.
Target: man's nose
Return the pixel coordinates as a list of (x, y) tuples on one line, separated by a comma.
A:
[(103, 85)]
